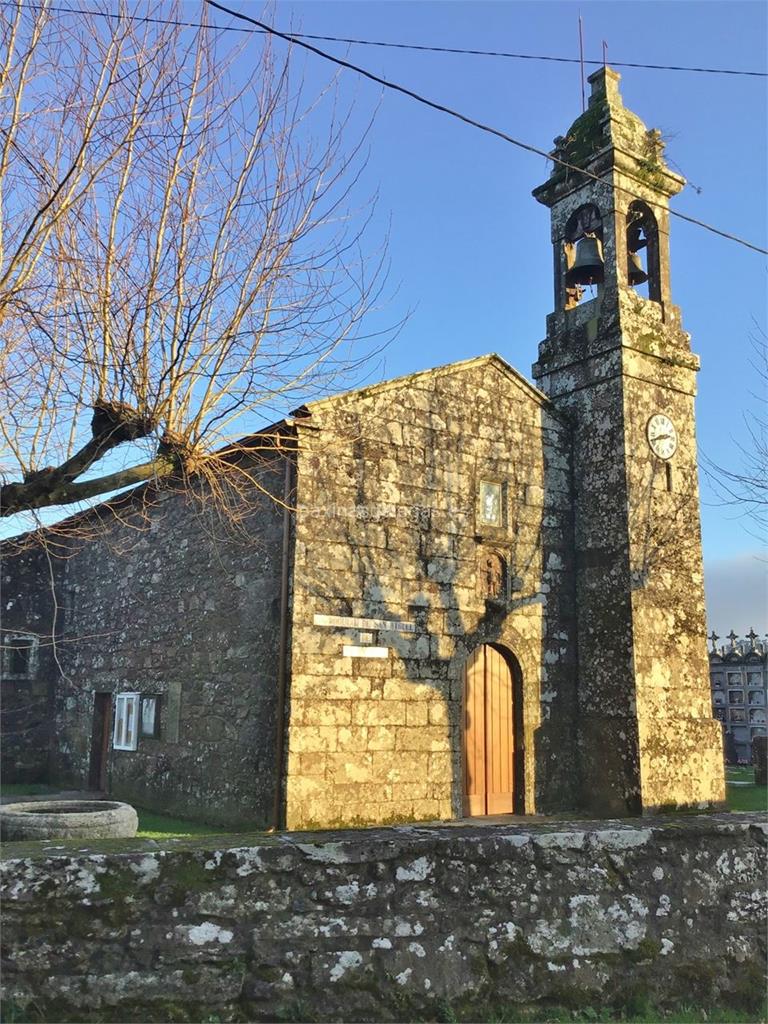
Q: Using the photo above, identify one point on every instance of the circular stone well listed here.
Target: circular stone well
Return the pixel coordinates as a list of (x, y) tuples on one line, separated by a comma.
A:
[(68, 819)]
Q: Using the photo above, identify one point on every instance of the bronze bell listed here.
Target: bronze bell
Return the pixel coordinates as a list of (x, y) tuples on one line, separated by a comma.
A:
[(636, 238), (588, 266), (635, 270)]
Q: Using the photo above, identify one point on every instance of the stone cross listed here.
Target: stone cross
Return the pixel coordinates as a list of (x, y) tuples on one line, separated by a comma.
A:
[(752, 637), (714, 638)]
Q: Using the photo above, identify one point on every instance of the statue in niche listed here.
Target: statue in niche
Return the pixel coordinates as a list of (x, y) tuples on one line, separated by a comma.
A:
[(493, 576)]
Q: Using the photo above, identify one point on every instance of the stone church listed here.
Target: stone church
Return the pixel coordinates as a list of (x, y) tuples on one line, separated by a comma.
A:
[(461, 594)]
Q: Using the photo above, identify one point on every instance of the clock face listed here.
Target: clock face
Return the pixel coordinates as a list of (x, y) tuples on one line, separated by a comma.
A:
[(662, 436)]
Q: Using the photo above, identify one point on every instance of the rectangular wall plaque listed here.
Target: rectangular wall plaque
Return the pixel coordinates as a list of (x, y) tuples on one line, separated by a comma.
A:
[(347, 622), (350, 651)]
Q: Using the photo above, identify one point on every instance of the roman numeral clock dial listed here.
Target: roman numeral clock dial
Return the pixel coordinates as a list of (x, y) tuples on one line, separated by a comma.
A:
[(662, 436)]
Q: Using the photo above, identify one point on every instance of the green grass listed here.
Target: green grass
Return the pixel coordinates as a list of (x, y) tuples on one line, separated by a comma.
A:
[(25, 788), (740, 773), (743, 797), (445, 1014), (590, 1015), (162, 826)]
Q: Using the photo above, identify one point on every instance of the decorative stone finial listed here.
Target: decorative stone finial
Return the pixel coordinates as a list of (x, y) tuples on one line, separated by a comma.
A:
[(752, 637), (605, 87), (714, 638), (607, 134)]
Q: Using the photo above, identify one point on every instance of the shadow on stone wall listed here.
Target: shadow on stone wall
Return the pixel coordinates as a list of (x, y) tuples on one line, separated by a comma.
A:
[(448, 632)]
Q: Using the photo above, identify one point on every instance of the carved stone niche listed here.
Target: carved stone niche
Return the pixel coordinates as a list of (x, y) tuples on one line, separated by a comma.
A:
[(492, 575)]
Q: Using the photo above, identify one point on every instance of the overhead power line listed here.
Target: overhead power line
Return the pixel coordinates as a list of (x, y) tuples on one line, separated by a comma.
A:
[(418, 47), (262, 27), (526, 56), (471, 121)]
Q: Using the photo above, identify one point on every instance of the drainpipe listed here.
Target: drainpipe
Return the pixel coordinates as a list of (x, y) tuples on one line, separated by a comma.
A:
[(282, 658)]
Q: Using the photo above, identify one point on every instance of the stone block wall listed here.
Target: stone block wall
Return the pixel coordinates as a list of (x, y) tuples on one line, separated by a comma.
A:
[(388, 527), (681, 753), (170, 601), (389, 924), (26, 599), (647, 737)]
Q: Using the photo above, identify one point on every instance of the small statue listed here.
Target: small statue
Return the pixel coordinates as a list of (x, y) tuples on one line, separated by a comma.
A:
[(493, 576)]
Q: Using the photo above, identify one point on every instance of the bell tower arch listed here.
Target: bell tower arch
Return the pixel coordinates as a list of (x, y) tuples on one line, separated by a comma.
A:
[(617, 361)]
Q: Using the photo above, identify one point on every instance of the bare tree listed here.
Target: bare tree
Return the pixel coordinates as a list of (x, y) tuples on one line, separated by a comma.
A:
[(176, 257), (744, 483)]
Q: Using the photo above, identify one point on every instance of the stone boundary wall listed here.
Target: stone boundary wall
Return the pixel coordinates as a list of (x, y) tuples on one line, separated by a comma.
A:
[(390, 923)]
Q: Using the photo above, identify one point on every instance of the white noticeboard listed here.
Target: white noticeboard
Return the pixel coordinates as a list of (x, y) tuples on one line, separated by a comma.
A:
[(350, 651)]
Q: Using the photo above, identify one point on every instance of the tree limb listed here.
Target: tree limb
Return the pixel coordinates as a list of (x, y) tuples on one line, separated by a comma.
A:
[(36, 493)]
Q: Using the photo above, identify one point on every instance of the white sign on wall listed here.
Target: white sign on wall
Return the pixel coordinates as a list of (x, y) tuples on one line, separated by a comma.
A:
[(349, 622), (351, 651)]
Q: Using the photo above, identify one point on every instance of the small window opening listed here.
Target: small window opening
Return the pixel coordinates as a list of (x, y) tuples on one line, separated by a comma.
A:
[(584, 266), (19, 656), (150, 715)]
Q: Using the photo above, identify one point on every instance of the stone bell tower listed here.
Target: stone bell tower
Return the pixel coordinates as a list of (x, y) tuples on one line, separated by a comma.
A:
[(617, 362)]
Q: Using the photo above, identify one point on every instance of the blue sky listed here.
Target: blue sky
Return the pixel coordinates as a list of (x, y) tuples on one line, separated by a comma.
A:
[(469, 248)]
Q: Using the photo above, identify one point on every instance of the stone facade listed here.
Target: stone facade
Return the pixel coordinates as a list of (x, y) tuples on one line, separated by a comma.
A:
[(388, 527), (319, 670), (163, 601), (390, 924), (27, 666)]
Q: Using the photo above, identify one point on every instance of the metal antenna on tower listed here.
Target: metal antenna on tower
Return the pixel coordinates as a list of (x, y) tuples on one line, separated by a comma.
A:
[(581, 64)]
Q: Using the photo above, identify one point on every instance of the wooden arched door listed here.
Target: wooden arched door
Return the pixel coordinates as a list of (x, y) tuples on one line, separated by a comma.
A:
[(489, 734)]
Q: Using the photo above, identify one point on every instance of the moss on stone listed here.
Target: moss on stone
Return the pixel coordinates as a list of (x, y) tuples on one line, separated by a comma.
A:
[(647, 949), (585, 138), (748, 988), (187, 877), (651, 173), (117, 883)]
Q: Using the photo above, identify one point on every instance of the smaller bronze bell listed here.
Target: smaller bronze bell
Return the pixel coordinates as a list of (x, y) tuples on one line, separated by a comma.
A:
[(635, 270), (588, 267), (636, 238)]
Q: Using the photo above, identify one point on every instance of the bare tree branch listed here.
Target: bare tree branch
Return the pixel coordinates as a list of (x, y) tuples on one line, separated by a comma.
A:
[(177, 251), (745, 485)]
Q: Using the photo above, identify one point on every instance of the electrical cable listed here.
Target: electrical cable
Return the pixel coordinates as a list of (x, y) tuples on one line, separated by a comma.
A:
[(476, 124), (299, 41), (398, 46)]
